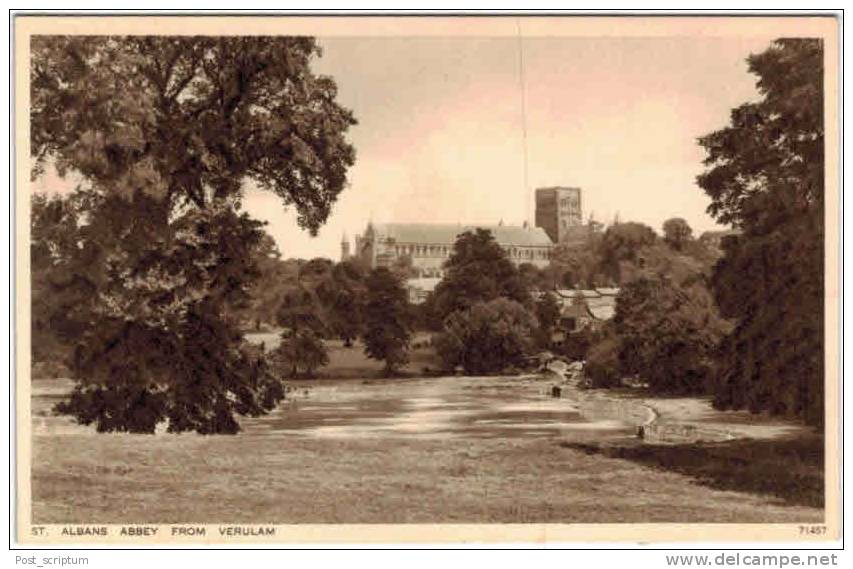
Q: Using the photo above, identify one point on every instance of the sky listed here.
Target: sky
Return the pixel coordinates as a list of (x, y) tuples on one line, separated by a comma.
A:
[(442, 124), (464, 129)]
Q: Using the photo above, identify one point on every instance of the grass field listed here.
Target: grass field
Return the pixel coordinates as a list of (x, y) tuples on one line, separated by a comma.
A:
[(188, 478), (352, 363)]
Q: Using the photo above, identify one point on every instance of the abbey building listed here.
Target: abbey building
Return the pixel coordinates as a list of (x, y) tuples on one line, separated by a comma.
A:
[(428, 245)]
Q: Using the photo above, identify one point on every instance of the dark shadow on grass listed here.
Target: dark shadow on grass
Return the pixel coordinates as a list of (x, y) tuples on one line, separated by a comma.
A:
[(788, 469)]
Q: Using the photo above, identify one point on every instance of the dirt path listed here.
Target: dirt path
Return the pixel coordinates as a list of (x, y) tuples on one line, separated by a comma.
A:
[(673, 419)]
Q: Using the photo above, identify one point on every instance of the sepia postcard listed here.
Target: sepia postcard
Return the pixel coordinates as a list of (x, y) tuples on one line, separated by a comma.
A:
[(426, 279)]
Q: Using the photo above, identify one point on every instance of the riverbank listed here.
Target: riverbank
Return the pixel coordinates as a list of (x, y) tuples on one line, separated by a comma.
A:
[(725, 450)]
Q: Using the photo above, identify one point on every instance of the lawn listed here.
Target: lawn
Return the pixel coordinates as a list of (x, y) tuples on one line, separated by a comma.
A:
[(188, 478), (352, 363)]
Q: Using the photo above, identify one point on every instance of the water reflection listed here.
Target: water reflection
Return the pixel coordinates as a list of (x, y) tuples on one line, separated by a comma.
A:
[(448, 407)]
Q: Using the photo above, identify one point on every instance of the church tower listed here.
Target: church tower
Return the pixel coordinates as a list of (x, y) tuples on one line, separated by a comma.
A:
[(558, 211)]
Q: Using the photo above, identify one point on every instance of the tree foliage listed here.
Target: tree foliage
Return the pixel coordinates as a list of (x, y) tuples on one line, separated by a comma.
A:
[(602, 360), (187, 119), (667, 334), (533, 277), (478, 270), (388, 326), (299, 311), (487, 337), (153, 343), (622, 243), (577, 265), (275, 275), (677, 232), (343, 294), (301, 349), (547, 311), (318, 295), (576, 345), (622, 253), (54, 235), (165, 132), (765, 176), (625, 252)]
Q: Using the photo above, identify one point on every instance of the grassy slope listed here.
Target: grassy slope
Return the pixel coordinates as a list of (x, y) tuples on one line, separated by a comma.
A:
[(352, 363), (190, 478)]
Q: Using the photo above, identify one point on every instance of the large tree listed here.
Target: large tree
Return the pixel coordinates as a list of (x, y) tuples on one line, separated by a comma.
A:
[(343, 296), (765, 176), (301, 349), (388, 323), (478, 270), (166, 132)]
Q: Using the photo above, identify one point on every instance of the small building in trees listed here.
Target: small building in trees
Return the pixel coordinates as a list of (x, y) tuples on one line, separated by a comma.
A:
[(581, 308)]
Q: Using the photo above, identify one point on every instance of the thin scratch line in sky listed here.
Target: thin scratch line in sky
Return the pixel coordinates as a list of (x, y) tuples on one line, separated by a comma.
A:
[(523, 118)]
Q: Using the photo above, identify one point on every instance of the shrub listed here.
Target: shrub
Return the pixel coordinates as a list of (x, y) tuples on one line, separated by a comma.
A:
[(667, 334), (602, 363), (488, 337), (577, 344)]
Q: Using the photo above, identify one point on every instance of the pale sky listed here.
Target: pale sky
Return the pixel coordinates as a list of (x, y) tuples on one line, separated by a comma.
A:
[(441, 129), (441, 139)]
